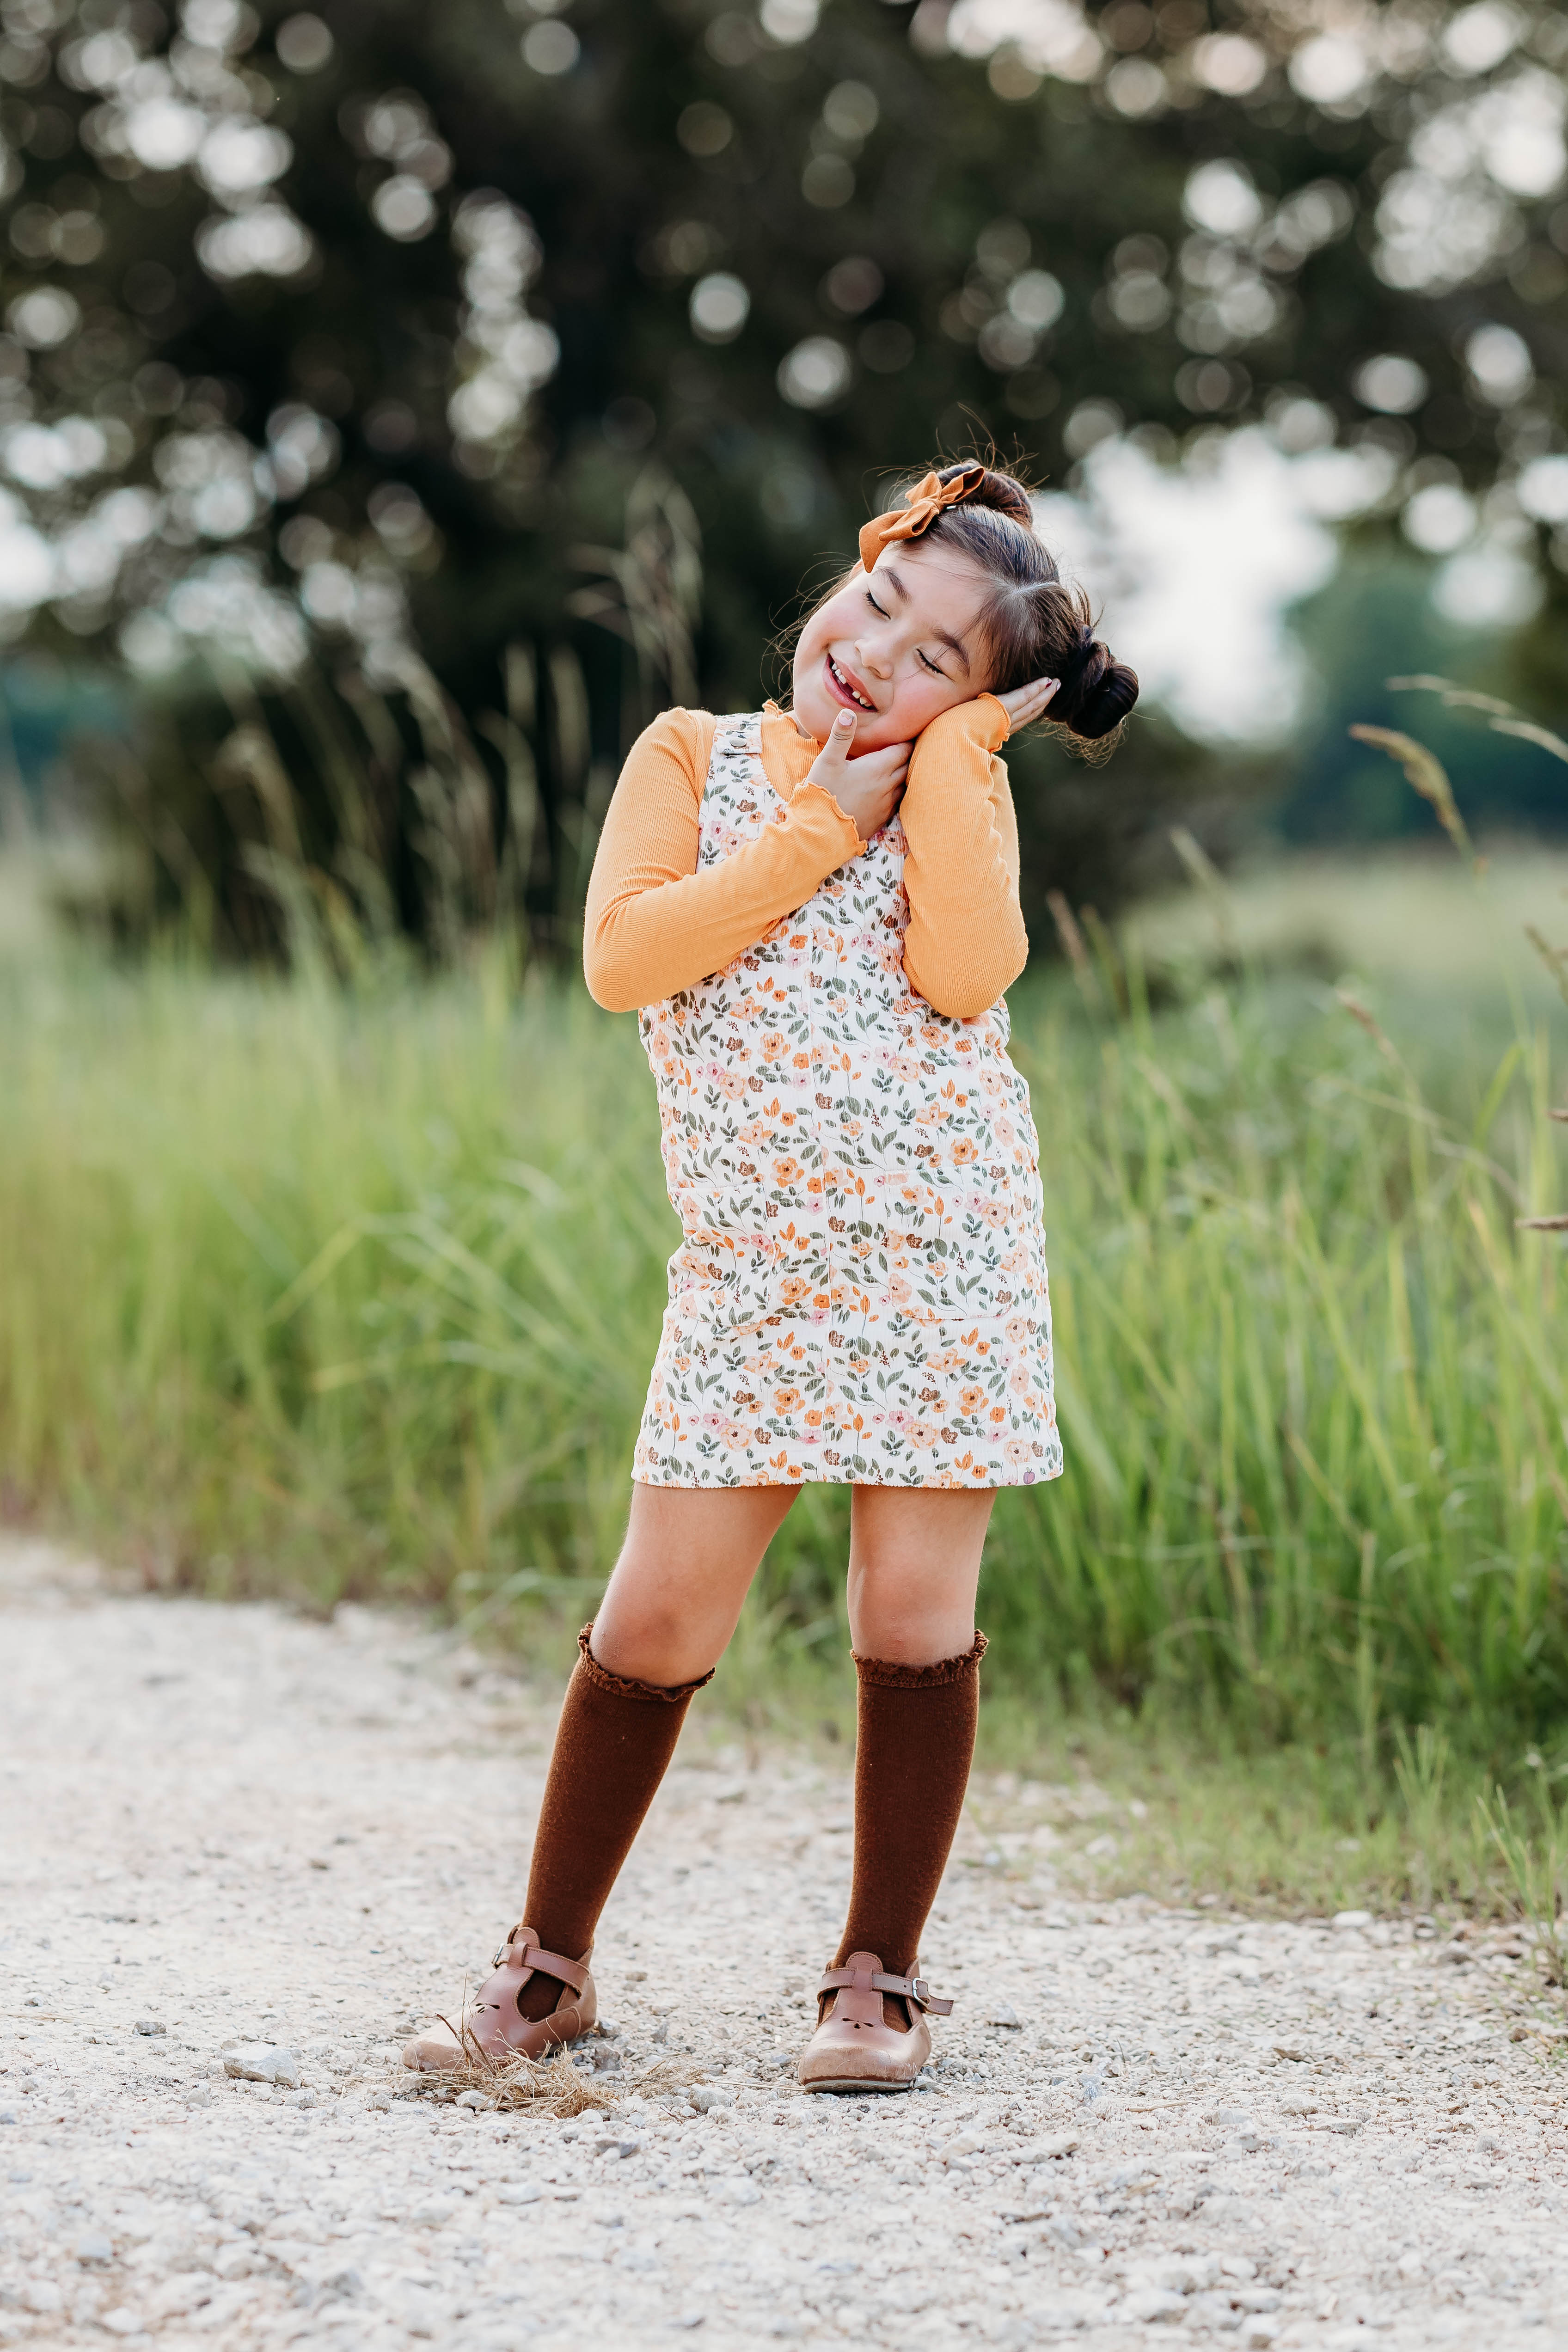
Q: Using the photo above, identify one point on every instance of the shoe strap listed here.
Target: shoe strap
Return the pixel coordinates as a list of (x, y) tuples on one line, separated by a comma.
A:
[(523, 1950), (913, 1989)]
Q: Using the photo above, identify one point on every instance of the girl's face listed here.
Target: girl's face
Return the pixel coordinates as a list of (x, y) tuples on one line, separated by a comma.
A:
[(897, 645)]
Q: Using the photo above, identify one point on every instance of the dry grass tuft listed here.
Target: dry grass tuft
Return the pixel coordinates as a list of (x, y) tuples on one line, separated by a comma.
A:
[(552, 2087)]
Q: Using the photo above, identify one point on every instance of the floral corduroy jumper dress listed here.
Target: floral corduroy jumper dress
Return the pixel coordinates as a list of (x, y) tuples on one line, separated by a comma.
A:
[(859, 1295)]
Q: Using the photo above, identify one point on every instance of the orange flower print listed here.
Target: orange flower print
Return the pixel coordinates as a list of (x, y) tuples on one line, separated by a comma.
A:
[(845, 1309)]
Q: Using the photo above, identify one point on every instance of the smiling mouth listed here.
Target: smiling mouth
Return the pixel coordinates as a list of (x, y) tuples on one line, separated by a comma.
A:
[(845, 688)]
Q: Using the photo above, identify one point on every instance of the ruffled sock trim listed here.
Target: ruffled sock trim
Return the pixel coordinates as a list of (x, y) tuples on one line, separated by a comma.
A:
[(886, 1673), (622, 1687)]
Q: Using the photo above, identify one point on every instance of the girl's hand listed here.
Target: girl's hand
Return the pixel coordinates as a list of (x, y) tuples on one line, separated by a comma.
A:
[(1027, 702), (869, 789)]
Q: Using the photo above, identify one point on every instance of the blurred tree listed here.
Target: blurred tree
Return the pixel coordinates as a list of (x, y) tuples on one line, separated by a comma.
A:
[(356, 324), (1374, 622)]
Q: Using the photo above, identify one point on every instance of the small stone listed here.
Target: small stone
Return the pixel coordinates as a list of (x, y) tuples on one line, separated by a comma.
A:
[(237, 2261), (42, 2296), (1147, 2302), (1351, 1919), (93, 2246), (262, 2062), (1002, 2012), (1060, 2144), (149, 2025), (705, 2097), (604, 2059), (517, 2192), (471, 2099), (121, 2321), (1456, 1956), (1177, 2275)]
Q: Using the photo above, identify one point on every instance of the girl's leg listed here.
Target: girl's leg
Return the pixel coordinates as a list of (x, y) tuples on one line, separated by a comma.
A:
[(914, 1571), (685, 1568), (672, 1603), (914, 1566), (667, 1615)]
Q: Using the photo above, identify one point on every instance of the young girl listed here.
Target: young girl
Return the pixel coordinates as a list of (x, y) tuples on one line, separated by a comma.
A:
[(817, 912)]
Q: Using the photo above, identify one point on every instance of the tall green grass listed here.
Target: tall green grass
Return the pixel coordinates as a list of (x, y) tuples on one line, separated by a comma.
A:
[(352, 1291)]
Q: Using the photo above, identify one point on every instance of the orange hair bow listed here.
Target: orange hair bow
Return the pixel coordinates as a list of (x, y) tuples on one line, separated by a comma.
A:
[(918, 511)]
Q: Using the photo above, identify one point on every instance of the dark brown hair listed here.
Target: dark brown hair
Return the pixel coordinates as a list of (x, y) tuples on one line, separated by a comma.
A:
[(1035, 624)]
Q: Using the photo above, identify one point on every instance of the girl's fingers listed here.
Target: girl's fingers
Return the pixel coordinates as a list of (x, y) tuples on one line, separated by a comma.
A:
[(1026, 702)]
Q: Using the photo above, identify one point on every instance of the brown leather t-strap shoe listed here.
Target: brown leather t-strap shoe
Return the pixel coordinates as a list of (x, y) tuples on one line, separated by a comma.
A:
[(852, 2049), (495, 2023)]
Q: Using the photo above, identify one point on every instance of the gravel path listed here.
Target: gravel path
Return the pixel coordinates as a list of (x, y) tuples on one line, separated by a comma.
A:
[(225, 1824)]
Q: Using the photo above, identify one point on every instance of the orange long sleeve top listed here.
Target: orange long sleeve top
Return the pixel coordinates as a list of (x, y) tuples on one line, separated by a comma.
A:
[(655, 924)]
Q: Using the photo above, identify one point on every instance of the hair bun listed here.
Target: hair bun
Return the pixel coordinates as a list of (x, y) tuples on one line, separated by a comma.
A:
[(1004, 493), (1098, 691)]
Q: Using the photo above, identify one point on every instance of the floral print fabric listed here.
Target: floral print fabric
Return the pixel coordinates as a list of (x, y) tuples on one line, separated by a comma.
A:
[(859, 1295)]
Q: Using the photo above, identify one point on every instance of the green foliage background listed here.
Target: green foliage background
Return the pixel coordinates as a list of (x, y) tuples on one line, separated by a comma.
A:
[(682, 141)]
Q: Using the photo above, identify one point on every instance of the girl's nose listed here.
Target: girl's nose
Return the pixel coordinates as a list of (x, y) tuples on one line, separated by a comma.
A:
[(868, 657)]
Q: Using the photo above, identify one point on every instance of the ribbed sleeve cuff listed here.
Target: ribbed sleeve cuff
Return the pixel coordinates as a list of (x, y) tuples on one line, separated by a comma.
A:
[(814, 811)]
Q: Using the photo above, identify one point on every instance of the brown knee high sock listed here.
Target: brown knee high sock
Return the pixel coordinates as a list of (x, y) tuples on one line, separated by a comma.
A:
[(612, 1748), (912, 1751)]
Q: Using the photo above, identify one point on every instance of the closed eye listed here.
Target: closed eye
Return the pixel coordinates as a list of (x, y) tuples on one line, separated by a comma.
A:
[(935, 668)]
